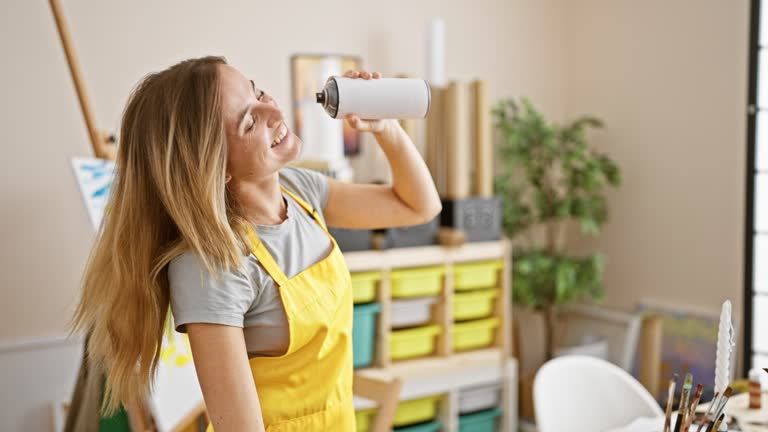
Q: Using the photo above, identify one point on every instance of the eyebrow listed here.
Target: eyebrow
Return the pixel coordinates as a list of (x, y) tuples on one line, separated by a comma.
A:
[(247, 109)]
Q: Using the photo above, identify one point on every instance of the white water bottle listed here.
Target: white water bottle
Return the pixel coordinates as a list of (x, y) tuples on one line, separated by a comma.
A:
[(382, 98)]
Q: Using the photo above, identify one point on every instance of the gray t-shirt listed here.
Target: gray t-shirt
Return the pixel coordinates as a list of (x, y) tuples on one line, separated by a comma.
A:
[(249, 298)]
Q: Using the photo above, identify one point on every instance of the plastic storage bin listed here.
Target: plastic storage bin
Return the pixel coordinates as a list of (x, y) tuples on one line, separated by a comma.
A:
[(363, 419), (364, 286), (416, 411), (433, 426), (474, 334), (479, 398), (484, 274), (483, 421), (415, 342), (473, 304), (411, 312), (417, 282), (364, 333)]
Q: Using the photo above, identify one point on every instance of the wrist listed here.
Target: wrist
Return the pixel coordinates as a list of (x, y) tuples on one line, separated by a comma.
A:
[(389, 131)]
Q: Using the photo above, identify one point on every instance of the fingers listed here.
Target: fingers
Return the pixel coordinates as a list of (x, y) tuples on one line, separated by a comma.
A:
[(357, 123), (361, 74)]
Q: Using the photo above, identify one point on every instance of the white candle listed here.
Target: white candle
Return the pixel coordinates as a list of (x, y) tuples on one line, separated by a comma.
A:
[(725, 344), (435, 51)]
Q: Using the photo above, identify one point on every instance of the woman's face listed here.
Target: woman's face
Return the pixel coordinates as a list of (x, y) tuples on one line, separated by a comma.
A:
[(258, 141)]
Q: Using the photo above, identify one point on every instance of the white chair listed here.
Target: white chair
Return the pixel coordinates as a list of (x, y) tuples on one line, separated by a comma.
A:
[(580, 393)]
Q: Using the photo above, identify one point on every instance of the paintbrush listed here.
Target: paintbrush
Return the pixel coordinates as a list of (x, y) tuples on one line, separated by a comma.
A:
[(683, 406), (670, 401), (716, 424), (721, 403), (694, 405), (712, 404)]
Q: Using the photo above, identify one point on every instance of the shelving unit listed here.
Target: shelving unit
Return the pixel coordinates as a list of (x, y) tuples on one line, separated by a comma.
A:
[(446, 371)]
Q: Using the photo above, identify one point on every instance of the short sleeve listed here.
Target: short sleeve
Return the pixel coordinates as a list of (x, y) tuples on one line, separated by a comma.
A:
[(199, 297), (312, 186)]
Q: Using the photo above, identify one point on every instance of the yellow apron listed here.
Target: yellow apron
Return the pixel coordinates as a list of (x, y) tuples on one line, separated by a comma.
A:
[(309, 388)]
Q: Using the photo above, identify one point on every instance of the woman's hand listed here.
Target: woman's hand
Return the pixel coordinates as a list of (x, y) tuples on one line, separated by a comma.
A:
[(375, 126)]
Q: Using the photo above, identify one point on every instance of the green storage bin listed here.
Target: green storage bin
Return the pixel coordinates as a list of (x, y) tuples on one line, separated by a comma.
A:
[(417, 282), (474, 304), (363, 419), (364, 286), (416, 411), (482, 421), (483, 274), (433, 426), (414, 342), (474, 334), (364, 333)]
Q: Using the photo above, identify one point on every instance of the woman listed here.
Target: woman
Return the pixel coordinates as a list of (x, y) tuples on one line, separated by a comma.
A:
[(205, 216)]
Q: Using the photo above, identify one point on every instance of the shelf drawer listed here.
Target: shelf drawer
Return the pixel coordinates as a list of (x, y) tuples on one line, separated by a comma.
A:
[(474, 334), (416, 411), (479, 398), (412, 312), (483, 274), (417, 282), (364, 286), (474, 304), (483, 421), (364, 333), (415, 342)]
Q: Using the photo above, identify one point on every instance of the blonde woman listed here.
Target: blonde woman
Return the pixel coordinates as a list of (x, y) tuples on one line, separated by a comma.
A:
[(206, 217)]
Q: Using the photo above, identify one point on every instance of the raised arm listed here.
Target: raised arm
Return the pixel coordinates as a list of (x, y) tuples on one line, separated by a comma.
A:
[(221, 361), (411, 199)]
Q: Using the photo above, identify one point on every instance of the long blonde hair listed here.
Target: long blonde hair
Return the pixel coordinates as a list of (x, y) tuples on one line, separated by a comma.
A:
[(168, 196)]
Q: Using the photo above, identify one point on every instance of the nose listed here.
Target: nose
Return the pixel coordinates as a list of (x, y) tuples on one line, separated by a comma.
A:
[(271, 112)]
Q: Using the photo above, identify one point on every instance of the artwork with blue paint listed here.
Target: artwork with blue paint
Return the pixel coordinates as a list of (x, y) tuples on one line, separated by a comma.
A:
[(94, 176)]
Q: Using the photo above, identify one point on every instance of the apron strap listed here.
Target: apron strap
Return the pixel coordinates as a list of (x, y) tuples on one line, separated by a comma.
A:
[(306, 206), (265, 258), (262, 254)]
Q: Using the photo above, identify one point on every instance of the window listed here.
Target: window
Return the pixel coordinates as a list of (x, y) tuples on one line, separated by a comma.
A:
[(756, 257)]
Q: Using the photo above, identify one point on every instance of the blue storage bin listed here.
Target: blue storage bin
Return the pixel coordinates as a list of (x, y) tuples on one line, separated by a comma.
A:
[(364, 333), (481, 421), (432, 426)]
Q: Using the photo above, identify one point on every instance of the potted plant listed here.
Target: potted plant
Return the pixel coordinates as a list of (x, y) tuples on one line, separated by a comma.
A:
[(551, 179)]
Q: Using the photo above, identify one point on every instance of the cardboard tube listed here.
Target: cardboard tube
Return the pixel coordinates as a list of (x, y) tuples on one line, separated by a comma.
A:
[(481, 127), (458, 152)]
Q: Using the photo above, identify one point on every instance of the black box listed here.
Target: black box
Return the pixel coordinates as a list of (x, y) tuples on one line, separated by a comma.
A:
[(478, 217), (352, 239), (411, 236)]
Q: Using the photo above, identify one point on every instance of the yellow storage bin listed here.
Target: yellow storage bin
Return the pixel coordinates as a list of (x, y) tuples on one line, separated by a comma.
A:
[(417, 282), (483, 274), (364, 286), (364, 418), (416, 411), (474, 334), (414, 342), (474, 304)]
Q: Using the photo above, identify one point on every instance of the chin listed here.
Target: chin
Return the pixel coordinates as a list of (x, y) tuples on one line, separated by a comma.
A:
[(291, 149)]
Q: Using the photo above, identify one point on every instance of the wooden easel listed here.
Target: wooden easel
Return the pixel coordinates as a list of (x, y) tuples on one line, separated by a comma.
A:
[(384, 393)]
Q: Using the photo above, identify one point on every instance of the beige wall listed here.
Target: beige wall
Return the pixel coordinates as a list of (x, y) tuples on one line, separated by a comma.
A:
[(45, 231), (670, 81)]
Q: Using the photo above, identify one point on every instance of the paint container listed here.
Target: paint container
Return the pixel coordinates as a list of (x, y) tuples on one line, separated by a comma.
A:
[(382, 98), (754, 389)]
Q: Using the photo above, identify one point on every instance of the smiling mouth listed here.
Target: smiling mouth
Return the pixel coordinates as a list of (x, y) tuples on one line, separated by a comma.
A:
[(281, 135)]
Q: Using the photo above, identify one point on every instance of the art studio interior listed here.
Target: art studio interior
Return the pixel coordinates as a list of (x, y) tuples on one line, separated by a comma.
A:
[(487, 216)]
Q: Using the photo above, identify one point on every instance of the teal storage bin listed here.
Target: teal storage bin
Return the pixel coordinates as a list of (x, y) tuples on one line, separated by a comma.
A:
[(481, 421), (364, 333), (432, 426)]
